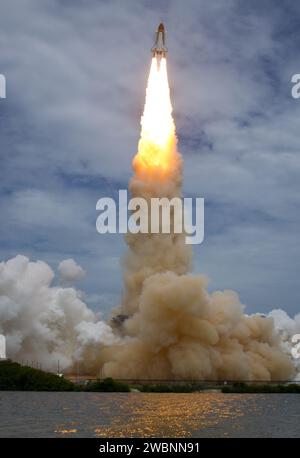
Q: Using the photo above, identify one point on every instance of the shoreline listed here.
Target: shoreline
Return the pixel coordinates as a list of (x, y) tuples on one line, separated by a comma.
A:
[(15, 377)]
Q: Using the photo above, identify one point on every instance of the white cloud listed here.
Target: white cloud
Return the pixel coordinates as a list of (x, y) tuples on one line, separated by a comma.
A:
[(70, 271)]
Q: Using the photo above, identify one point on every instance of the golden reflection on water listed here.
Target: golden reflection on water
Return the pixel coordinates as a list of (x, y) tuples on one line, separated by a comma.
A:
[(170, 415), (157, 415), (66, 431)]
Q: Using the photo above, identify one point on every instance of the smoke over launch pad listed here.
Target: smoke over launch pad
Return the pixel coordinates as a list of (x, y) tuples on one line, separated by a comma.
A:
[(168, 326)]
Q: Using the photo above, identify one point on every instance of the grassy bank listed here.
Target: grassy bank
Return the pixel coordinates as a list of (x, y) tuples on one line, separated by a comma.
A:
[(14, 377), (264, 388), (108, 385), (164, 388)]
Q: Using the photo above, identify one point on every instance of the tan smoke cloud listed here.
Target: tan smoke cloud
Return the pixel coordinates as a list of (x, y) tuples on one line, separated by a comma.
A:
[(180, 331)]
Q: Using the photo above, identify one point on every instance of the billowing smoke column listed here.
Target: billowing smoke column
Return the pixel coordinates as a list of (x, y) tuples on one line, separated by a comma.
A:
[(158, 173), (177, 329)]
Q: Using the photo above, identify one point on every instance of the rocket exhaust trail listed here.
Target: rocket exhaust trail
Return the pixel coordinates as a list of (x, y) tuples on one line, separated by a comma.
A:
[(174, 328), (158, 171)]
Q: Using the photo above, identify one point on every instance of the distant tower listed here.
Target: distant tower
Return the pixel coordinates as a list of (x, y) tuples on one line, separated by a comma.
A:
[(2, 347)]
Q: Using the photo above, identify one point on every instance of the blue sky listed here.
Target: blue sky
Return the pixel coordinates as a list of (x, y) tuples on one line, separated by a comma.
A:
[(76, 73)]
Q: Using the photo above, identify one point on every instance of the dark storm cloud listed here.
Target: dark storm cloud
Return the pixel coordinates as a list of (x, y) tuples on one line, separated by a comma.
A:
[(76, 74)]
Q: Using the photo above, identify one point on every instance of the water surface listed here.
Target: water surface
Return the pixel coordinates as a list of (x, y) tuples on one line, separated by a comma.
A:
[(35, 414)]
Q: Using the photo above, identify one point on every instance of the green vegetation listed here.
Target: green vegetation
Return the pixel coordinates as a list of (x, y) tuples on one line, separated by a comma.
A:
[(14, 377), (266, 388), (107, 385), (164, 388)]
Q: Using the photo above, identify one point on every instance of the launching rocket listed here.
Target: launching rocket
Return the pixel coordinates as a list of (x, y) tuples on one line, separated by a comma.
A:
[(159, 49)]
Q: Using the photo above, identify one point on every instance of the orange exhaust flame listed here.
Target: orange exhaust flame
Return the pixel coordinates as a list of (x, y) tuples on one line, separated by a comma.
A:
[(158, 137)]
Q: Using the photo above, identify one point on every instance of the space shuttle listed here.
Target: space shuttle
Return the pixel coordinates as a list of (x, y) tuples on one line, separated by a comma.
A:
[(159, 49)]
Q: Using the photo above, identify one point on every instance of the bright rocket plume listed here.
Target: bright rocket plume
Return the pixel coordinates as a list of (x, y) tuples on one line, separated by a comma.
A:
[(155, 151), (175, 328)]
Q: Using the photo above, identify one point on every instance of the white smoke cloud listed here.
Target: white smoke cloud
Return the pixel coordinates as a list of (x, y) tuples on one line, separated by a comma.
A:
[(70, 271), (47, 324), (287, 328), (90, 333), (284, 323)]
